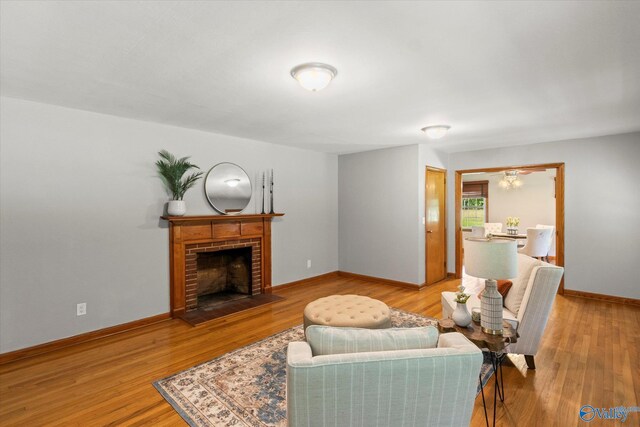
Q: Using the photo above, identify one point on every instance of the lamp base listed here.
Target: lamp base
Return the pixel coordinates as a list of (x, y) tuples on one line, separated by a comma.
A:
[(491, 307)]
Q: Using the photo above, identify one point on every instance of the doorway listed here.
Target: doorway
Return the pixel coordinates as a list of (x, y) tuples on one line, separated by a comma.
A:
[(558, 190), (435, 225)]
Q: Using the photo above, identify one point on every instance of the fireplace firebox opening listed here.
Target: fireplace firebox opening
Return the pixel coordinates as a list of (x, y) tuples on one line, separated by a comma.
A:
[(223, 276)]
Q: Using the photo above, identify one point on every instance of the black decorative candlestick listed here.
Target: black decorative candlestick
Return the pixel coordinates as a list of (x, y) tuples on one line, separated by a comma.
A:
[(263, 195), (271, 191)]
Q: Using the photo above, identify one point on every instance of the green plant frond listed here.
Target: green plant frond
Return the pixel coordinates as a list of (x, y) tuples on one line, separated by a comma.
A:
[(168, 157), (189, 182), (191, 179), (171, 171)]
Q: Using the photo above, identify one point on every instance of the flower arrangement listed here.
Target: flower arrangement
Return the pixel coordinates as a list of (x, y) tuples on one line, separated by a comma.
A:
[(461, 297), (513, 221)]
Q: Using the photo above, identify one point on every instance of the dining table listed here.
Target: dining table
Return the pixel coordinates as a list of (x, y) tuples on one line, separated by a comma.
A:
[(509, 236), (520, 238)]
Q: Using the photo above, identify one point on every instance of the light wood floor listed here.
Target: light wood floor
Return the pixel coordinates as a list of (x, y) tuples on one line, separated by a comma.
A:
[(589, 355)]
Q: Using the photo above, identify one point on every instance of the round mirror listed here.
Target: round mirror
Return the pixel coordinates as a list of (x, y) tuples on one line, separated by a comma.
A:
[(228, 188)]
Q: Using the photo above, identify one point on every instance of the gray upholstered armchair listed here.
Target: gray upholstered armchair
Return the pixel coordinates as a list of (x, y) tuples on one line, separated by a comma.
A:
[(412, 387), (527, 305)]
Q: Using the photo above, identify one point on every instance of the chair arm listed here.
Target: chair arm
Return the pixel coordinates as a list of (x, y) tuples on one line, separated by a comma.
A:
[(299, 354), (457, 341)]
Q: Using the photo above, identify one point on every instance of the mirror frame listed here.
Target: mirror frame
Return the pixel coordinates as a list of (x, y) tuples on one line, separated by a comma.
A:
[(206, 192)]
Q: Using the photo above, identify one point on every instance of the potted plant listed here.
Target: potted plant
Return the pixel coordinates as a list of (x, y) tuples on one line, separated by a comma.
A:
[(171, 171), (461, 315), (512, 225)]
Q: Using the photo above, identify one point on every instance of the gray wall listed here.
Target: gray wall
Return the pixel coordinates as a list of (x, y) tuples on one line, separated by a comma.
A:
[(378, 199), (381, 201), (79, 216), (602, 205), (80, 201)]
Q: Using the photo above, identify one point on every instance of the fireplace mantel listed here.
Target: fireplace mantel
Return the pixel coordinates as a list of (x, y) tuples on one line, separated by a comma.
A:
[(219, 218), (191, 234)]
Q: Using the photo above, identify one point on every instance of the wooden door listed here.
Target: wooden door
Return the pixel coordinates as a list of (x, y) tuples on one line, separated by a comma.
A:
[(435, 225)]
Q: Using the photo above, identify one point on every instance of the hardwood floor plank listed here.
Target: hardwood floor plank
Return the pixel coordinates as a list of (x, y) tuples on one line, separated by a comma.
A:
[(589, 355)]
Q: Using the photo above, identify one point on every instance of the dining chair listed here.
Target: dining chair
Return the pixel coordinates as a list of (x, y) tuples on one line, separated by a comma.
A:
[(492, 227), (552, 247), (477, 231), (538, 243)]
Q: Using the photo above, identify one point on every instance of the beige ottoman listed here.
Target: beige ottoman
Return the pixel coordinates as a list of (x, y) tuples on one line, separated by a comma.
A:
[(347, 310)]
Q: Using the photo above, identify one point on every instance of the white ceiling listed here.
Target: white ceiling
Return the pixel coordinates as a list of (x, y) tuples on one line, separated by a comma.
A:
[(499, 73)]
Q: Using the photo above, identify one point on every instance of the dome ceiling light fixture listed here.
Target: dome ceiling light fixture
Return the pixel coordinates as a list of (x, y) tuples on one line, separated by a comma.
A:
[(314, 76), (436, 131)]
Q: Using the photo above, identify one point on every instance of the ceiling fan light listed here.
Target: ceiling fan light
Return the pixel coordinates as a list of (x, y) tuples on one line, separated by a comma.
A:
[(436, 131), (314, 76), (510, 179)]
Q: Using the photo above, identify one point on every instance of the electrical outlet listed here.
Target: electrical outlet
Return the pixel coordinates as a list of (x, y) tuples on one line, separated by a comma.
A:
[(81, 309), (308, 263)]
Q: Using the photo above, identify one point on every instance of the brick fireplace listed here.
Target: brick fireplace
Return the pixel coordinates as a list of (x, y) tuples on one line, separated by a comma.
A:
[(215, 252), (219, 267)]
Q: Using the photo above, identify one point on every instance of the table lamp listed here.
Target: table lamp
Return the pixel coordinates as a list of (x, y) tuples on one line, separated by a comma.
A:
[(491, 259)]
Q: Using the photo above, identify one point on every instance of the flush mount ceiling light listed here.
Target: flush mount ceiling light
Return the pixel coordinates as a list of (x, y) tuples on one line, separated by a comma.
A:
[(436, 131), (232, 182), (314, 76)]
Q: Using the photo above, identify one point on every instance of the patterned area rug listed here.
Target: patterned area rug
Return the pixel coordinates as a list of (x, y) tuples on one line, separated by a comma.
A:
[(247, 386)]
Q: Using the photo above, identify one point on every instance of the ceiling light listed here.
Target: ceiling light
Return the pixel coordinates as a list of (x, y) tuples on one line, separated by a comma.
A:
[(314, 76), (436, 131), (232, 182), (510, 180)]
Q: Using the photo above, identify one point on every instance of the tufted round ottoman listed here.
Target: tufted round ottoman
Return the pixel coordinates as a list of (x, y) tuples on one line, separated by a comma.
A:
[(347, 310)]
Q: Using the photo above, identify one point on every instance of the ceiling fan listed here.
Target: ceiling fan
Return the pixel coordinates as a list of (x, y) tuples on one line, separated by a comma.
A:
[(510, 177)]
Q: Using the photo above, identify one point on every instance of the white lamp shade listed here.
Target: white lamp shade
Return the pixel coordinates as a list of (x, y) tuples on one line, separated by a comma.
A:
[(491, 258)]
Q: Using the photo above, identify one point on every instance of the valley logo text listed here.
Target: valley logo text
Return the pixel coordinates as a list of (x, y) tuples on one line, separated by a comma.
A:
[(588, 413)]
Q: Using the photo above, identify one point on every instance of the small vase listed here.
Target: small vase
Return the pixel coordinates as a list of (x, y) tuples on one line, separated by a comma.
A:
[(461, 315), (512, 231), (177, 208)]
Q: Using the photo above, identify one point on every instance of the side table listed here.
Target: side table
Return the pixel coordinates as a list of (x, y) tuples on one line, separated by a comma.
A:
[(496, 344)]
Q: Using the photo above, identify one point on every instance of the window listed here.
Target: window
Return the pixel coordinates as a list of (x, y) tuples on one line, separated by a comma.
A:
[(473, 211), (475, 203)]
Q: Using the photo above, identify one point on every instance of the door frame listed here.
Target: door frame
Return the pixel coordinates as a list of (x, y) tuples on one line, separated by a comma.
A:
[(559, 167), (426, 254)]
